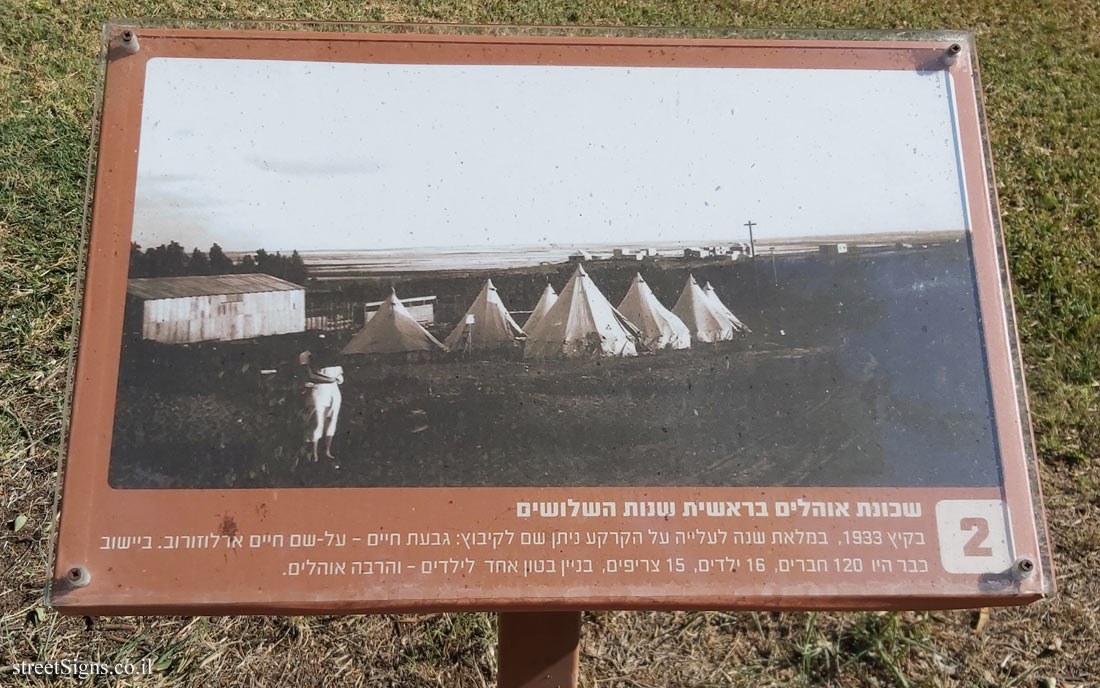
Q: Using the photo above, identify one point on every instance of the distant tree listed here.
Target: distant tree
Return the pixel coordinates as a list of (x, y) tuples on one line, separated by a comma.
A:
[(170, 260), (291, 268), (138, 263), (263, 259), (198, 264), (220, 264), (296, 271), (166, 260), (277, 265)]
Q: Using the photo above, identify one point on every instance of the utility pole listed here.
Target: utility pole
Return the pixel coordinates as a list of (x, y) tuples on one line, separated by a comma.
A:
[(752, 242), (752, 250)]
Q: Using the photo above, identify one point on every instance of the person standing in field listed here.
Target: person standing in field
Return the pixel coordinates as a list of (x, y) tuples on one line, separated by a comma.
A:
[(322, 397)]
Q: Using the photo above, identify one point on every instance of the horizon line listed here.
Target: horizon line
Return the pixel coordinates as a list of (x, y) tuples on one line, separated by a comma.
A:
[(688, 243)]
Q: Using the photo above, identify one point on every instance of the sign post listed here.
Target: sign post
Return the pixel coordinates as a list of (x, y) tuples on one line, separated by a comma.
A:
[(861, 442), (538, 649)]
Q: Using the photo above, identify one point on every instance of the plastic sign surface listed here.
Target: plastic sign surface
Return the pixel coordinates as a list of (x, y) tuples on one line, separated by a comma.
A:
[(528, 320)]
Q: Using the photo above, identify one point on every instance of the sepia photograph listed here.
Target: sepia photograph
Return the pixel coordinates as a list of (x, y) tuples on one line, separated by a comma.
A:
[(381, 275)]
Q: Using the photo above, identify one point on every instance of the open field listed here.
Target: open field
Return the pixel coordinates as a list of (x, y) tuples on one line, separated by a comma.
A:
[(870, 354), (683, 419), (1041, 69)]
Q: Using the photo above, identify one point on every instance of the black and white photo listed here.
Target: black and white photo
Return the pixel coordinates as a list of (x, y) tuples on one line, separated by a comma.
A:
[(375, 275)]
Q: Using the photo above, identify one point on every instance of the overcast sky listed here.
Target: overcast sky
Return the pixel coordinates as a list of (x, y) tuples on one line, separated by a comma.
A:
[(306, 155)]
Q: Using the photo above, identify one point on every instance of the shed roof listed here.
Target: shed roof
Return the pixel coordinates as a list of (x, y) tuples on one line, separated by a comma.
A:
[(152, 288)]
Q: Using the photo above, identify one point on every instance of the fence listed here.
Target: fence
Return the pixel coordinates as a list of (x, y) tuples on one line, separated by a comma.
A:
[(329, 313), (333, 312)]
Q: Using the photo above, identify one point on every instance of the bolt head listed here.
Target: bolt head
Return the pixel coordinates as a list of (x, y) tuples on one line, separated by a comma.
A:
[(78, 576), (1023, 568)]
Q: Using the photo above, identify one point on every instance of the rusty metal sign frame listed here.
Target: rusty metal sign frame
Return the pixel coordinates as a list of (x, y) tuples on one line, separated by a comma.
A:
[(93, 574)]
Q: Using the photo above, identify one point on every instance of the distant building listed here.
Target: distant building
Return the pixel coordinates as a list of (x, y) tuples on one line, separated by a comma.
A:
[(742, 248), (627, 254), (694, 252), (181, 310), (580, 256), (834, 249), (421, 308)]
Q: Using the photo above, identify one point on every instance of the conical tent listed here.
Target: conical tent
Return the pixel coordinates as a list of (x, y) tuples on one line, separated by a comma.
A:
[(703, 319), (659, 327), (581, 322), (713, 296), (391, 331), (541, 308), (486, 325)]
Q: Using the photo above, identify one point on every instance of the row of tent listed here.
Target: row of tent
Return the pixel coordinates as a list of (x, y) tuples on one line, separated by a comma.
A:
[(579, 321)]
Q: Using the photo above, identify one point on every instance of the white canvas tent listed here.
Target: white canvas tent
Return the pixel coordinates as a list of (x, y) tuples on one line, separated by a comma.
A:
[(581, 322), (486, 325), (659, 327), (541, 308), (703, 319), (392, 330), (713, 296)]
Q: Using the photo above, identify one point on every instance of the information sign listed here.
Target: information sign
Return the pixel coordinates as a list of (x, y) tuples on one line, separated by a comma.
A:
[(527, 320)]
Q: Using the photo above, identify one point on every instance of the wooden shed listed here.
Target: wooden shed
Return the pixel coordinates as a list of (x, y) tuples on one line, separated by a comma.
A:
[(421, 308), (178, 310)]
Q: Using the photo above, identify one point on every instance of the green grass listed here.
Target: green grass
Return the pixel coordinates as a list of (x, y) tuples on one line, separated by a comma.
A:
[(1041, 72)]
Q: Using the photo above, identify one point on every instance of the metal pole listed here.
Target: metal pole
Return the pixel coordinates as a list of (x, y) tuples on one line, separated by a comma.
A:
[(752, 249), (538, 649)]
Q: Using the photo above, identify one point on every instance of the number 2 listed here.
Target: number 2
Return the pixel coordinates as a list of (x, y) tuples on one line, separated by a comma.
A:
[(975, 546)]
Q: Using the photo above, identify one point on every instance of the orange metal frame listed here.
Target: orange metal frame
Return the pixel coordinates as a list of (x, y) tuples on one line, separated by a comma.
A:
[(217, 581)]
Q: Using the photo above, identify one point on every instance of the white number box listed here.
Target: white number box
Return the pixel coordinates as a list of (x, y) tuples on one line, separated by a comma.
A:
[(974, 535)]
